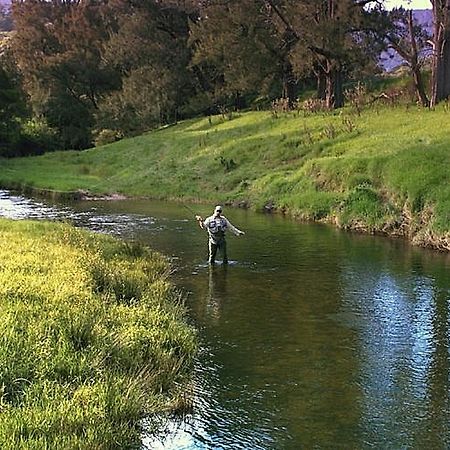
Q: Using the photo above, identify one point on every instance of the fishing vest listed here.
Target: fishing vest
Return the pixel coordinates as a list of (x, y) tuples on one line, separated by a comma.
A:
[(216, 229)]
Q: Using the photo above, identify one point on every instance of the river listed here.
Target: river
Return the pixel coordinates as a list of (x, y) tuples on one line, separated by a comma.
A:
[(311, 337)]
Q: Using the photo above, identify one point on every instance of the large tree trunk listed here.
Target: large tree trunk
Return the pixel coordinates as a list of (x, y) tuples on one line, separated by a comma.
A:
[(441, 72), (415, 67), (440, 89), (334, 92), (418, 84), (289, 84), (338, 89), (239, 101), (321, 84)]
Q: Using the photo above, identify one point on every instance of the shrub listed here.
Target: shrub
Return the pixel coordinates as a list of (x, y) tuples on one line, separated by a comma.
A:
[(349, 124), (312, 106), (365, 209), (357, 97), (107, 136), (280, 105)]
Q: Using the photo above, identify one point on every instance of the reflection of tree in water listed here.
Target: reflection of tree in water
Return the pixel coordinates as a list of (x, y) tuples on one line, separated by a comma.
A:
[(217, 290), (404, 348), (438, 415)]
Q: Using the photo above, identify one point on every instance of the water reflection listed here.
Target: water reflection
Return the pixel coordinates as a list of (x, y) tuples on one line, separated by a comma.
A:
[(311, 338), (398, 353), (217, 291), (18, 207)]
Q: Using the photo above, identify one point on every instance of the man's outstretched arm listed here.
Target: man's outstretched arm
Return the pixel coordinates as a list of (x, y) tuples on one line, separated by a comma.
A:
[(200, 221), (233, 229)]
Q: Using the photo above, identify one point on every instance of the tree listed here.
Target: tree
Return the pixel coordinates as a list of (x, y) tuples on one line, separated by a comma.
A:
[(410, 41), (236, 50), (326, 37), (58, 48), (12, 102), (245, 43), (147, 46), (440, 87)]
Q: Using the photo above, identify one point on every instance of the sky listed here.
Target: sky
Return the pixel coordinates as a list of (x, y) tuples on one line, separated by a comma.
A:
[(414, 4)]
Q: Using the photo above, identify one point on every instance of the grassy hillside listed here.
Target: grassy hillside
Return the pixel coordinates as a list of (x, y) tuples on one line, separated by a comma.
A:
[(92, 339), (383, 171)]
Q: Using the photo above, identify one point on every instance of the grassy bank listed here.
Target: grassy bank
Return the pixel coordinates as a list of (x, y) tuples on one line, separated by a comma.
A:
[(383, 171), (92, 339)]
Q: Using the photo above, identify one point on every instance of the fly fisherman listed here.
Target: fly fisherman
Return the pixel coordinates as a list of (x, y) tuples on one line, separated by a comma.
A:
[(216, 225)]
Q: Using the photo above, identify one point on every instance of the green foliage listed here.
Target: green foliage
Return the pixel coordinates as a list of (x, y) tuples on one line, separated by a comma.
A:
[(133, 66), (307, 166), (12, 107), (41, 136), (73, 120), (363, 208), (236, 50), (155, 80), (92, 338), (67, 80)]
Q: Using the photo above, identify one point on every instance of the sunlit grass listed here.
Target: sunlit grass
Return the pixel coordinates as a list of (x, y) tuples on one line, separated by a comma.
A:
[(368, 172), (92, 338)]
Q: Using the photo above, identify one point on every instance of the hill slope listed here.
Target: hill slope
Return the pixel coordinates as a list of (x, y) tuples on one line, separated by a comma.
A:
[(385, 171)]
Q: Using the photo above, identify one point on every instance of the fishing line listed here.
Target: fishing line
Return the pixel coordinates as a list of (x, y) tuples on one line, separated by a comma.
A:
[(189, 209)]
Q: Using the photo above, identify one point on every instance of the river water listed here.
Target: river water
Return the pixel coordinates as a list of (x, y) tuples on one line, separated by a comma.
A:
[(311, 337)]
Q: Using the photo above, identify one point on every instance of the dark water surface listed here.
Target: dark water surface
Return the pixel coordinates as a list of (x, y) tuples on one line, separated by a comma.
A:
[(312, 337)]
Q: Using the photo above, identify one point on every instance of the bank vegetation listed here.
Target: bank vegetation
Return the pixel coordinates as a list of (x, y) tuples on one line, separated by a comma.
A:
[(93, 339), (377, 169), (78, 73)]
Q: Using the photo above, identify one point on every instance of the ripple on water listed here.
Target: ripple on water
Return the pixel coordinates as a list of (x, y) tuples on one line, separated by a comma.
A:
[(312, 338)]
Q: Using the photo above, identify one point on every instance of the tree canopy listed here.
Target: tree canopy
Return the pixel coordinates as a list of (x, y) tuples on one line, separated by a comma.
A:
[(126, 65)]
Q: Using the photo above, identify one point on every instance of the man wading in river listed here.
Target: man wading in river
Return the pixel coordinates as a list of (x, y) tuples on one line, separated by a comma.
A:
[(217, 225)]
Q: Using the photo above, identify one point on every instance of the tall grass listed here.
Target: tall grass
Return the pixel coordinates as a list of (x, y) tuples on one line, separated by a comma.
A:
[(383, 169), (92, 338)]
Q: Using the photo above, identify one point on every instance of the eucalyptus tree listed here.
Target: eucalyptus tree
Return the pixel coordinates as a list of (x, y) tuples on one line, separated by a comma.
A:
[(58, 48), (411, 42), (13, 108), (245, 43), (328, 38), (237, 51), (440, 89), (147, 46)]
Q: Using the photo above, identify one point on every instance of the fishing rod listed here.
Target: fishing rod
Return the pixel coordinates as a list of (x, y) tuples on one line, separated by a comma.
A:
[(192, 211)]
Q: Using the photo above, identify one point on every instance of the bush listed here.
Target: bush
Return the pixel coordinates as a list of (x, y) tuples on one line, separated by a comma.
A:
[(107, 136), (312, 106), (364, 208), (280, 105), (357, 97), (30, 138)]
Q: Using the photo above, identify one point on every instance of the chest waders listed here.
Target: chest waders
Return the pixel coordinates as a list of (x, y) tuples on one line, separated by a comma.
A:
[(216, 231)]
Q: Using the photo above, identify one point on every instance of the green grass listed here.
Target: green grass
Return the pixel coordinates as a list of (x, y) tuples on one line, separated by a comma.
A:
[(92, 339), (386, 170)]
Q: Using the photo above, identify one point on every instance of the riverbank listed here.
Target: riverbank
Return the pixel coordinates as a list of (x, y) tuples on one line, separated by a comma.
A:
[(384, 171), (93, 339)]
